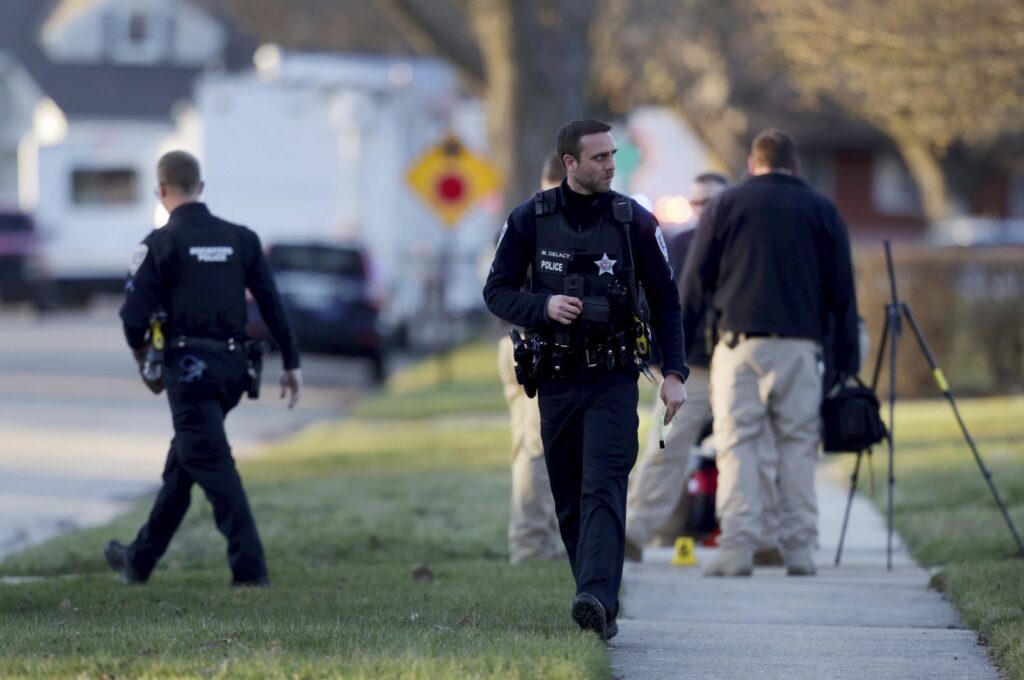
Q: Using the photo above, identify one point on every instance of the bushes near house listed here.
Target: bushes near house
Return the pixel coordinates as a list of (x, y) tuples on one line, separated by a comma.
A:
[(969, 303)]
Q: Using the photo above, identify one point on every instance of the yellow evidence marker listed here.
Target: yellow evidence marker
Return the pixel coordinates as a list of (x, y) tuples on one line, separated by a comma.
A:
[(684, 555)]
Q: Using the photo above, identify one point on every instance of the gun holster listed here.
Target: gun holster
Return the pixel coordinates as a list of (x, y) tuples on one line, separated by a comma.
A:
[(528, 353), (254, 351), (153, 370)]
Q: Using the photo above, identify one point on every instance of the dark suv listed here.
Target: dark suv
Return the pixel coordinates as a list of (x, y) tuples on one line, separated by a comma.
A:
[(328, 293), (19, 258)]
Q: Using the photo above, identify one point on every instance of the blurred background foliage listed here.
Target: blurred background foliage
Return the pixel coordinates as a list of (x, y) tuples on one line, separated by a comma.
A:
[(933, 77)]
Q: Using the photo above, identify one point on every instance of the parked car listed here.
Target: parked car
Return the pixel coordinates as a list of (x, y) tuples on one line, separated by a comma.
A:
[(328, 292), (20, 271)]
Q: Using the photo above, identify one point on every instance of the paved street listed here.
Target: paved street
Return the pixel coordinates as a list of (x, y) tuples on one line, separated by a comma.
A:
[(80, 435)]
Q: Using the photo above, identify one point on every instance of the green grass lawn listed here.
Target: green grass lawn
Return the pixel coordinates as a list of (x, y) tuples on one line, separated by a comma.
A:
[(349, 513), (945, 512), (465, 383)]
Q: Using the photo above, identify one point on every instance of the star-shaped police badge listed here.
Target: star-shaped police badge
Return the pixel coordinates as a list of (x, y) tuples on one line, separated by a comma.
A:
[(604, 265)]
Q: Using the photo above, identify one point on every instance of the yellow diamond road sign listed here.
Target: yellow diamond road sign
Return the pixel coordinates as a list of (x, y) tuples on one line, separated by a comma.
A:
[(450, 179)]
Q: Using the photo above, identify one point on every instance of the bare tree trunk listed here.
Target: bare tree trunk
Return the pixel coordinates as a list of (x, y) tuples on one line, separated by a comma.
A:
[(927, 172), (721, 140), (536, 57)]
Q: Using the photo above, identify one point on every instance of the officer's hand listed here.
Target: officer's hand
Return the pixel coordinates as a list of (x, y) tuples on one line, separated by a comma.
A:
[(291, 386), (564, 309), (673, 395), (140, 357)]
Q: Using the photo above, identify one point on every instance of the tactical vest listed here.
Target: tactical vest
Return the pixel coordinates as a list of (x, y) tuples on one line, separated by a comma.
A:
[(594, 265)]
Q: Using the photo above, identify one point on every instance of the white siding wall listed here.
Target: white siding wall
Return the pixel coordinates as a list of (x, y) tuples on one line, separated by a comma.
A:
[(18, 99), (176, 32)]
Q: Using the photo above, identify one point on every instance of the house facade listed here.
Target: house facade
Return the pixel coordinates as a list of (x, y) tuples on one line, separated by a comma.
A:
[(92, 86)]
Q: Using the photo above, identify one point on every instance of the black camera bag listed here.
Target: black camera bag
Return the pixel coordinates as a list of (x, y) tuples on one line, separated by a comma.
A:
[(851, 419)]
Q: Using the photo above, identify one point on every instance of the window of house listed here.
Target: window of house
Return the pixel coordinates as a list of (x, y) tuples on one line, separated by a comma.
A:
[(109, 186), (142, 36), (138, 26), (6, 100), (893, 191), (819, 170)]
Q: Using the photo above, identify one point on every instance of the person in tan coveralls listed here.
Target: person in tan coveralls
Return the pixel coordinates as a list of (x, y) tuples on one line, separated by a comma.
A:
[(532, 527), (656, 487)]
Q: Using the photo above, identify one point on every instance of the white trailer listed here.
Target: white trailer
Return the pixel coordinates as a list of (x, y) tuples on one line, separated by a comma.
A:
[(90, 191), (316, 148)]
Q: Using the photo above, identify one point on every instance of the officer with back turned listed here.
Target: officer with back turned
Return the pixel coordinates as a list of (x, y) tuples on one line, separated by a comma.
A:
[(196, 270), (593, 254)]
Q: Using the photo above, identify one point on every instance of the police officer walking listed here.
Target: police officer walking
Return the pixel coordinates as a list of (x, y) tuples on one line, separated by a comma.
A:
[(196, 270), (592, 252)]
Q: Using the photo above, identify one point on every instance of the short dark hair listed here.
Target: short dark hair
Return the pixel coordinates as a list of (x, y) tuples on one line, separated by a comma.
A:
[(180, 169), (774, 148), (553, 171), (569, 135), (712, 178)]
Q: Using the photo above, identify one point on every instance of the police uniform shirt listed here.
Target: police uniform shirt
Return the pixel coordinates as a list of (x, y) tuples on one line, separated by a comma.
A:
[(516, 250), (197, 268)]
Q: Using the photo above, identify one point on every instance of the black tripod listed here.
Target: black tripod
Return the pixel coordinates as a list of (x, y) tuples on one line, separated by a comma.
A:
[(895, 311)]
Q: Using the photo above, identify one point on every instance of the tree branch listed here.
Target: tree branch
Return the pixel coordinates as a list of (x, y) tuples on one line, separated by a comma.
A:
[(422, 29)]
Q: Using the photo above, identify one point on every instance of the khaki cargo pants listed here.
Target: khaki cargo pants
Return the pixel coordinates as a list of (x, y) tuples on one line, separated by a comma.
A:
[(766, 384), (657, 483), (533, 527)]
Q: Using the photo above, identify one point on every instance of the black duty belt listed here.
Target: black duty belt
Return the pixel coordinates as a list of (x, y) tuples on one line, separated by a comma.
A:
[(209, 344), (732, 339), (568, 362)]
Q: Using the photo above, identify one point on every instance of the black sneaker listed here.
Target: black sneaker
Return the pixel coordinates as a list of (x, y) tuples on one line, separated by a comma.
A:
[(258, 582), (589, 614), (612, 629), (116, 555)]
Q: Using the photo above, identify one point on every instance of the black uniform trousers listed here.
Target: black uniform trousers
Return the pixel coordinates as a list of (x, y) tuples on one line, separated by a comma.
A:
[(202, 387), (589, 428)]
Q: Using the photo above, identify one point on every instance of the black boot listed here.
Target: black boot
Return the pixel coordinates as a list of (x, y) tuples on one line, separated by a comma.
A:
[(590, 614), (116, 555)]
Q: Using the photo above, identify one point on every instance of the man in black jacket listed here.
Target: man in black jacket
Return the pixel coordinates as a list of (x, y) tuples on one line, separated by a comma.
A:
[(196, 269), (589, 249), (774, 256)]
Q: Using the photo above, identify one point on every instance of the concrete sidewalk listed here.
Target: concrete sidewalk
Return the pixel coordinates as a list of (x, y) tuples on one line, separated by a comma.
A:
[(853, 621)]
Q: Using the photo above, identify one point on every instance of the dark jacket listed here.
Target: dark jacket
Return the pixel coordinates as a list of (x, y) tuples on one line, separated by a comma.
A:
[(774, 256), (197, 268), (696, 344), (517, 247)]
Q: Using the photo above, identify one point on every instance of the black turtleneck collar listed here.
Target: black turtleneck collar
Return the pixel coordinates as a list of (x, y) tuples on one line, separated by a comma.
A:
[(583, 211), (191, 208)]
